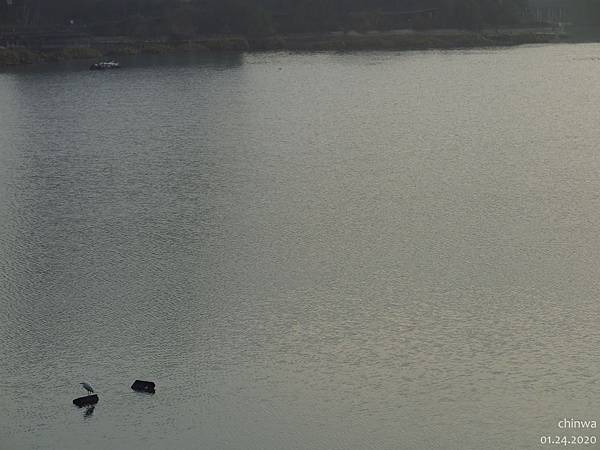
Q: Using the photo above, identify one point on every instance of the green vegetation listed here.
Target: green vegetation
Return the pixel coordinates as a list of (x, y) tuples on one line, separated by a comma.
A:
[(77, 53), (183, 19), (390, 41), (112, 28), (311, 42), (15, 57), (123, 51)]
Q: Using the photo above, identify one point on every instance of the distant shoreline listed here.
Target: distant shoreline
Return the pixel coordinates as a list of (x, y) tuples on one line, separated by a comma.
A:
[(113, 47)]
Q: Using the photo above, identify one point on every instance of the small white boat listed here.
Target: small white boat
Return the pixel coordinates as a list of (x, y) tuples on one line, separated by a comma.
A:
[(104, 65)]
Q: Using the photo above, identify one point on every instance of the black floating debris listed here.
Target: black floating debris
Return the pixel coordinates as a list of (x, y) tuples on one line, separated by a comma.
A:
[(143, 386), (87, 400)]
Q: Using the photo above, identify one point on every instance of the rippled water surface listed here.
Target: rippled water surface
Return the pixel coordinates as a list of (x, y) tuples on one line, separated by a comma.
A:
[(304, 251)]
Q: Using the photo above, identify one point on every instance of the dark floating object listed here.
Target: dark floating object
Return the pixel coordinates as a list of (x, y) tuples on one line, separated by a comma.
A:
[(87, 400), (143, 386)]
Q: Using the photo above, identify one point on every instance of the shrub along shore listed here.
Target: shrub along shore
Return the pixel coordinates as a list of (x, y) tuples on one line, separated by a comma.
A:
[(350, 41)]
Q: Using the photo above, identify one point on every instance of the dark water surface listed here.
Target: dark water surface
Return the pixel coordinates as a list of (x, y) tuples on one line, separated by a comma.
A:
[(304, 251)]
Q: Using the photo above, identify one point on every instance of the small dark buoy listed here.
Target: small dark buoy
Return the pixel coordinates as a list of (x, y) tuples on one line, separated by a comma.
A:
[(143, 386), (87, 400)]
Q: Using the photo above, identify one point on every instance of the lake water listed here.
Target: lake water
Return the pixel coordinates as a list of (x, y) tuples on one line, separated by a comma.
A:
[(304, 251)]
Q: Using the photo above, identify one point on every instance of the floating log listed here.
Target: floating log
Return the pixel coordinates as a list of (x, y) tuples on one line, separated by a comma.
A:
[(87, 400), (143, 386)]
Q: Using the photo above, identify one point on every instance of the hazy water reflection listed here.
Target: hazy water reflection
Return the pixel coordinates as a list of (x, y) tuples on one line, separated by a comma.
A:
[(306, 251)]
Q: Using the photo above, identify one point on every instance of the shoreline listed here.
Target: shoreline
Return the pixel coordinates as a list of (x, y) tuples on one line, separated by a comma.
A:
[(399, 40)]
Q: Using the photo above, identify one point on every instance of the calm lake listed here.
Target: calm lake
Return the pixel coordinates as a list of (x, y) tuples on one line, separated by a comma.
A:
[(322, 251)]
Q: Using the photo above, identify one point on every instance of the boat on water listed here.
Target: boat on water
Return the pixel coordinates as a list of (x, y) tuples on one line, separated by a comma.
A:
[(105, 65)]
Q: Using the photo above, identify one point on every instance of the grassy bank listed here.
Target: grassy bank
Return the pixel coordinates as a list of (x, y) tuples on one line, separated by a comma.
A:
[(13, 57), (305, 42), (115, 48), (400, 41)]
